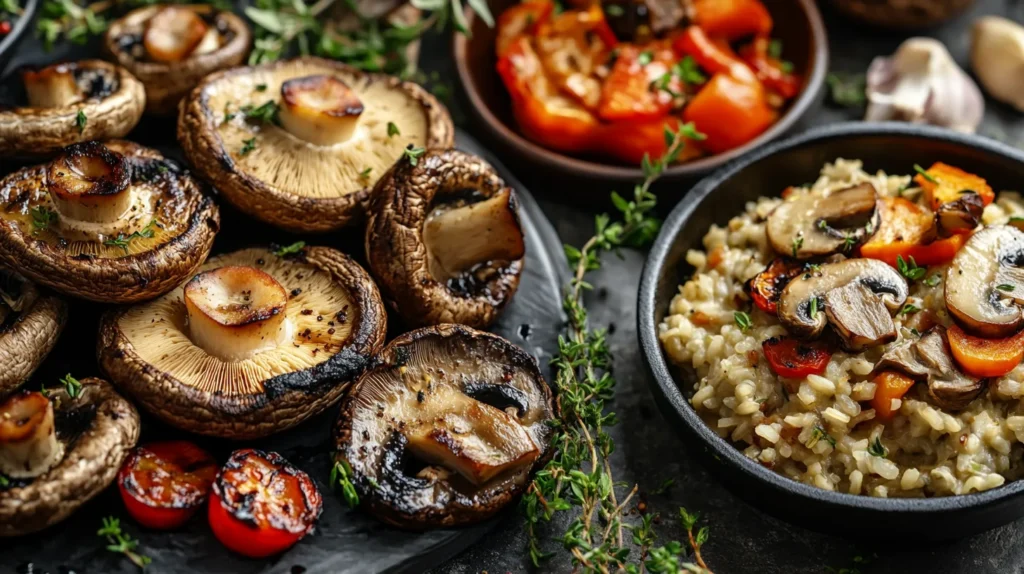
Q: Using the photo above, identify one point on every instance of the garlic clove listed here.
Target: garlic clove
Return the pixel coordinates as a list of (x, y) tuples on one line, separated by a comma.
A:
[(28, 436), (52, 87), (997, 56), (921, 83), (235, 312), (173, 33), (322, 110)]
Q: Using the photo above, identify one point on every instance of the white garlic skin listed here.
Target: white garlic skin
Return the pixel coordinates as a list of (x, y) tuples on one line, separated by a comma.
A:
[(921, 83), (997, 56)]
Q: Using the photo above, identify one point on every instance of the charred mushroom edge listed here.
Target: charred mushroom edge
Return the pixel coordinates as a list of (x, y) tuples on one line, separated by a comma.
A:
[(29, 339)]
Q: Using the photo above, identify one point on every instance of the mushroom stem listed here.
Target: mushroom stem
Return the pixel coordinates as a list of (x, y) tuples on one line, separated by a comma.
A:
[(321, 110), (236, 312), (174, 33), (457, 239), (52, 87), (28, 436), (89, 183)]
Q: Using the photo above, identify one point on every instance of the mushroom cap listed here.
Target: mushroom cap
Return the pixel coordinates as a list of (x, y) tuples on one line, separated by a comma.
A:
[(145, 267), (811, 225), (855, 296), (113, 104), (478, 369), (398, 254), (339, 324), (92, 457), (286, 181), (984, 287), (28, 332), (168, 82), (929, 359)]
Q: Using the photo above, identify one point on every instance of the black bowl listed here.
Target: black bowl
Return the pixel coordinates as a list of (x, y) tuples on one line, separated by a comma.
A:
[(894, 148), (9, 43)]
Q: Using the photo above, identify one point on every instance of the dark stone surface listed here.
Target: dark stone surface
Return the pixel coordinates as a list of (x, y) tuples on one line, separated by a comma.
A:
[(648, 452)]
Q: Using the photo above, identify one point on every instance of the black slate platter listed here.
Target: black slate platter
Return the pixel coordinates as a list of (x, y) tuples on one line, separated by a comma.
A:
[(345, 540)]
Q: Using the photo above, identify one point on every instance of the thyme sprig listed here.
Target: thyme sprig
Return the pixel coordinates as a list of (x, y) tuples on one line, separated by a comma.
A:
[(121, 543), (579, 475)]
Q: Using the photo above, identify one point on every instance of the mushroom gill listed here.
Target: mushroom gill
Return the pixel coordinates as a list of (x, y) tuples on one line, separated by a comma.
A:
[(28, 436), (984, 286)]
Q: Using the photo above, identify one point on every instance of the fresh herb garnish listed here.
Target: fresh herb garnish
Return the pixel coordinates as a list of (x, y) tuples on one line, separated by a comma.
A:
[(688, 71), (228, 114), (847, 90), (664, 486), (924, 173), (261, 87), (775, 49), (849, 242), (579, 475), (908, 309), (4, 481), (292, 249), (614, 10), (876, 448), (42, 218), (393, 130), (933, 280), (248, 145), (818, 434), (909, 269), (365, 173), (121, 543), (413, 154), (341, 475), (72, 385), (266, 112), (814, 308), (81, 120), (742, 320), (645, 57), (123, 240), (1005, 287), (798, 242), (68, 20)]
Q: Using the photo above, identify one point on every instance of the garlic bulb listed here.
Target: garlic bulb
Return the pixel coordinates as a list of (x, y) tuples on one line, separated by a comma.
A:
[(921, 83), (997, 55)]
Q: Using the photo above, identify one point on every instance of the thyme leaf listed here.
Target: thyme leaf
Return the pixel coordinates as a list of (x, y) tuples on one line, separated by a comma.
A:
[(909, 269), (393, 130), (72, 385), (742, 320), (121, 543), (123, 240), (292, 249), (876, 448), (341, 475), (80, 120), (413, 154), (924, 173)]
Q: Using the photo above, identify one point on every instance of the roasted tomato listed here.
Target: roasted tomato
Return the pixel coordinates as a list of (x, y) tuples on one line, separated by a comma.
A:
[(795, 359), (164, 483), (262, 505), (766, 287)]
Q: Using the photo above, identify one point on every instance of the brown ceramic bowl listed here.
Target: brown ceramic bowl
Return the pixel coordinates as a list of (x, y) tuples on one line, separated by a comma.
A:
[(902, 14), (798, 24)]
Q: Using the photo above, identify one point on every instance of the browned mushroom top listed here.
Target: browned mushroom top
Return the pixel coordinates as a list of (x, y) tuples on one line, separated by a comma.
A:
[(30, 323), (446, 429), (810, 225)]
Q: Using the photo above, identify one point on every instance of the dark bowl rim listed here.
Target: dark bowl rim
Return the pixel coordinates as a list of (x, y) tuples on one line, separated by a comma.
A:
[(538, 154), (10, 41), (666, 390)]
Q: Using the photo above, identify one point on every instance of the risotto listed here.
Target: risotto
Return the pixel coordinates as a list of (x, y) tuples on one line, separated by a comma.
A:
[(863, 333)]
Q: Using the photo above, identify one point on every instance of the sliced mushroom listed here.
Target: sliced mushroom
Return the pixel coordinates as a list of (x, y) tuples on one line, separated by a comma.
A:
[(113, 222), (69, 103), (929, 359), (856, 296), (985, 282), (300, 143), (94, 433), (444, 240), (446, 429), (171, 48), (811, 225), (960, 216), (256, 343), (30, 323)]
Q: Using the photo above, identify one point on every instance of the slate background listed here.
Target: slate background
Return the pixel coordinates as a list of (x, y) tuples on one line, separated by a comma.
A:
[(647, 450)]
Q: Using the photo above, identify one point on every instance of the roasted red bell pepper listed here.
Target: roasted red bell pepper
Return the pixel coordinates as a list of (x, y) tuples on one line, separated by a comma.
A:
[(572, 46), (733, 19), (521, 19), (729, 112), (769, 70), (795, 359), (640, 85), (544, 116), (630, 141), (714, 57), (944, 183)]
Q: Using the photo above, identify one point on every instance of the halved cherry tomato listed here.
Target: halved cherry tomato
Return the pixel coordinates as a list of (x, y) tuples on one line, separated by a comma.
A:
[(795, 359), (945, 184), (889, 385), (631, 91), (733, 19), (985, 357), (729, 112), (770, 70), (521, 19), (164, 483), (905, 231), (766, 287), (262, 505)]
